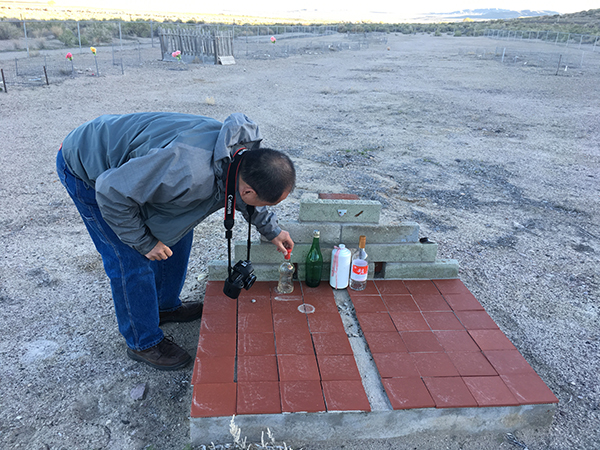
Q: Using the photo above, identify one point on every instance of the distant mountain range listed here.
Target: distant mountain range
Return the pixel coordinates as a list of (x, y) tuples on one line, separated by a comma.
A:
[(488, 14)]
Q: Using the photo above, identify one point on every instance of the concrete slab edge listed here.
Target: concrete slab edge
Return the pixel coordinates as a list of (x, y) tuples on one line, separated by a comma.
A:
[(303, 428)]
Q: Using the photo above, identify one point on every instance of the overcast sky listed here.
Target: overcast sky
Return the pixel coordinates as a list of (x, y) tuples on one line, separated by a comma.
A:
[(380, 10)]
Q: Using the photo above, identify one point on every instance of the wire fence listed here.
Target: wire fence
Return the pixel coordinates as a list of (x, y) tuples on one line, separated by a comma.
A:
[(551, 52), (37, 55)]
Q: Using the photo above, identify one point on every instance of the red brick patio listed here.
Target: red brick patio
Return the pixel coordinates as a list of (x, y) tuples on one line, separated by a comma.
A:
[(432, 342)]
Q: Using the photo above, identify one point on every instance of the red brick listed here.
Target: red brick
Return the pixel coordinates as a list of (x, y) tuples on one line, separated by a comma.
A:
[(464, 301), (507, 362), (385, 342), (214, 289), (371, 289), (218, 369), (421, 341), (471, 364), (214, 400), (451, 286), (345, 395), (434, 365), (407, 393), (255, 304), (258, 398), (490, 391), (394, 287), (368, 303), (395, 365), (290, 322), (322, 290), (442, 320), (219, 305), (423, 287), (325, 323), (431, 302), (528, 388), (324, 196), (298, 367), (491, 340), (257, 368), (301, 396), (409, 321), (260, 288), (289, 307), (450, 392), (375, 322), (294, 343), (255, 344), (218, 323), (256, 322), (476, 320), (322, 305), (338, 367), (456, 341), (331, 344), (216, 344), (400, 303)]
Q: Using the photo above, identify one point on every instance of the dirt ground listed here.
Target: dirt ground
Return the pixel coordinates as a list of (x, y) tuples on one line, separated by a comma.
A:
[(499, 164)]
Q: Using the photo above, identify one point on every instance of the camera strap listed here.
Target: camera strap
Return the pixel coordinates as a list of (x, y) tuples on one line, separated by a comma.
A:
[(230, 193)]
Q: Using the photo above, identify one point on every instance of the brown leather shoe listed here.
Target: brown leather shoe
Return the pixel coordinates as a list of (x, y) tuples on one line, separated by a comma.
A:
[(167, 355), (187, 312)]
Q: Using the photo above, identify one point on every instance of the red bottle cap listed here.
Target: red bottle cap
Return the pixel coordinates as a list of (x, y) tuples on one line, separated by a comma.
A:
[(288, 255)]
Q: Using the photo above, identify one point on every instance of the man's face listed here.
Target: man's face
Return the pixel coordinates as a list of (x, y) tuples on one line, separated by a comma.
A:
[(250, 198)]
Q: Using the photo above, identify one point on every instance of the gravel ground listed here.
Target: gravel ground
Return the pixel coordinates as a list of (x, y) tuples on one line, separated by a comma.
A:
[(498, 163)]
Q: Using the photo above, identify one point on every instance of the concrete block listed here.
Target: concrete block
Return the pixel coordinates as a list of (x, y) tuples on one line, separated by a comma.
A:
[(300, 429), (402, 252), (217, 271), (442, 268), (266, 253), (405, 232), (302, 232), (339, 211)]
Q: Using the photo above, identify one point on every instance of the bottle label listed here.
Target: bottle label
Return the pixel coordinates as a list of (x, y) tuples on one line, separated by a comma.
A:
[(360, 269)]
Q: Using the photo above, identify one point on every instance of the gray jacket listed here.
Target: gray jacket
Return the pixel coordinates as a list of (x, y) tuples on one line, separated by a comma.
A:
[(157, 175)]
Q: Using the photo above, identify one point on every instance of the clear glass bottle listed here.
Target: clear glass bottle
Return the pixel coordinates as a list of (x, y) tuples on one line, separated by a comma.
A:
[(286, 273), (360, 266), (314, 262)]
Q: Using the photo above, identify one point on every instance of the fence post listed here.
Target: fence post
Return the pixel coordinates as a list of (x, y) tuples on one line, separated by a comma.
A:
[(595, 42), (26, 40), (216, 46), (79, 37), (3, 80)]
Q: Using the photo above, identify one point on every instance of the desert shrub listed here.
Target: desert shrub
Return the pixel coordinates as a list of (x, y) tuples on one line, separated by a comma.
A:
[(98, 33), (10, 30), (137, 28), (68, 38)]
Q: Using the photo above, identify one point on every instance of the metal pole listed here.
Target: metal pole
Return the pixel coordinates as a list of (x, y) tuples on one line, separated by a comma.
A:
[(26, 40), (79, 37), (503, 52), (595, 42), (152, 32), (46, 75), (16, 67), (3, 80)]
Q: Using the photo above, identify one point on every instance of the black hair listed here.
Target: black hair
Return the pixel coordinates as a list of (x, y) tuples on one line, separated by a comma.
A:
[(269, 172)]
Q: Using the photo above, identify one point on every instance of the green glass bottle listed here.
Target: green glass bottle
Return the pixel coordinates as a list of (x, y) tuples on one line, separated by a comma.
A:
[(314, 262)]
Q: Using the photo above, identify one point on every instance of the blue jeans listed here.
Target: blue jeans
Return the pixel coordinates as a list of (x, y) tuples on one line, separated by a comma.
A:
[(140, 287)]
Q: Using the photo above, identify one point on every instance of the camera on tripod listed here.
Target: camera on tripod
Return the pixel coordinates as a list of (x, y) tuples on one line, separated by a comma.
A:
[(241, 277)]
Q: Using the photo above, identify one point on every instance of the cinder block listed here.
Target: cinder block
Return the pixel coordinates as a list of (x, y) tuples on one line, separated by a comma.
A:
[(442, 268), (405, 232), (402, 252), (217, 271), (266, 253), (339, 211), (302, 232)]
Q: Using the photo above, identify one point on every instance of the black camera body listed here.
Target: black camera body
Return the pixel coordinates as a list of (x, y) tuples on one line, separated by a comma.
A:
[(241, 277)]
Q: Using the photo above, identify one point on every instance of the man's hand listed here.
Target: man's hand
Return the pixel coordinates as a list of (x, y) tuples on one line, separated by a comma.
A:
[(160, 252), (283, 242)]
